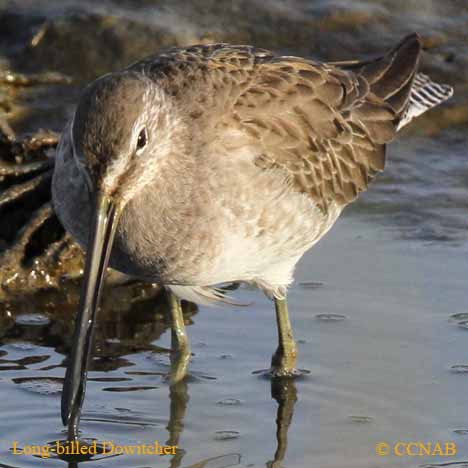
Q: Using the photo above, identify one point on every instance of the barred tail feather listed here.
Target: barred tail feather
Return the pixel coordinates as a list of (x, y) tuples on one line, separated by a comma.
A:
[(394, 79), (425, 94)]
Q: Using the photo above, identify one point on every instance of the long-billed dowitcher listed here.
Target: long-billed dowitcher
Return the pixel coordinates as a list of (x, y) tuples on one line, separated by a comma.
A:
[(218, 163)]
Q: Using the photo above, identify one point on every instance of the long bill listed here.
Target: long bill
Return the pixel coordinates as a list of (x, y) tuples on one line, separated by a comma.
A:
[(101, 236)]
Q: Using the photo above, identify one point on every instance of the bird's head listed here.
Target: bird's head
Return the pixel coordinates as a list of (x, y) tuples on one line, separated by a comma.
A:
[(124, 129)]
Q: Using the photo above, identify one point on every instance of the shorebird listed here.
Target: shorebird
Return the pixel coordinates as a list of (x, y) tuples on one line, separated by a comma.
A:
[(221, 163)]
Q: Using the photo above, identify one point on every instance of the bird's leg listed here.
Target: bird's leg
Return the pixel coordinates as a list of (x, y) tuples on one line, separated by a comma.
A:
[(180, 355), (283, 362), (179, 340)]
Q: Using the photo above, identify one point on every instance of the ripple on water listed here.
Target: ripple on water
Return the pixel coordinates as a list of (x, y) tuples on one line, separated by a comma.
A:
[(125, 417), (13, 367), (145, 373), (226, 356), (460, 464), (229, 402), (360, 419), (311, 284), (200, 344), (21, 346), (459, 369), (32, 319), (28, 360), (330, 317), (109, 379), (165, 368), (129, 389), (40, 385), (193, 377), (461, 317), (226, 435)]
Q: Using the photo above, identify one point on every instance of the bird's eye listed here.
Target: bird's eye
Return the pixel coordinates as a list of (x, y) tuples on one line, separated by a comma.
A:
[(142, 139)]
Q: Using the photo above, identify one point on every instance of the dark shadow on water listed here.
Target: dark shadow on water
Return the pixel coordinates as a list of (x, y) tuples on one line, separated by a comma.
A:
[(283, 390)]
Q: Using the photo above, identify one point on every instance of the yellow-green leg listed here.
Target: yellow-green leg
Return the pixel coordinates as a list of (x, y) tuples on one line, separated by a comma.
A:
[(283, 362), (180, 355)]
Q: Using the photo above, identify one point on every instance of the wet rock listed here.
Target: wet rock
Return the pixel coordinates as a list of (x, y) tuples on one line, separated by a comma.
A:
[(35, 251)]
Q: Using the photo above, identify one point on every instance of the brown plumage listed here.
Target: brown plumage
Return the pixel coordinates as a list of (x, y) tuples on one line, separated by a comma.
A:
[(239, 142), (326, 125)]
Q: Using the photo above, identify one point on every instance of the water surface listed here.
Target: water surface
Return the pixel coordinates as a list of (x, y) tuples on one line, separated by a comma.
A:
[(386, 372)]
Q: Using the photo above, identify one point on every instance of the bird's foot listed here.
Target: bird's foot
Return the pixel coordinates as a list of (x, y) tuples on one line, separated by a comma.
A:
[(285, 372), (278, 373), (283, 362), (283, 365)]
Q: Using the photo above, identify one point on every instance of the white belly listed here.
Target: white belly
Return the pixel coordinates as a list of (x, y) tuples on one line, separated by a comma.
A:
[(265, 236)]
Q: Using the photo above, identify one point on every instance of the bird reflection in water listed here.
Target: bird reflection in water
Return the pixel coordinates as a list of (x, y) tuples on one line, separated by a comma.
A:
[(141, 320), (283, 390)]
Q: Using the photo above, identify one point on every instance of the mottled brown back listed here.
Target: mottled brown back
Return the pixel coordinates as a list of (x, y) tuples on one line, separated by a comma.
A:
[(325, 125)]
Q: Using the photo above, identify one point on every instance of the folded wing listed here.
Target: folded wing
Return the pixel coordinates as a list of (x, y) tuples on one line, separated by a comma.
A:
[(326, 125)]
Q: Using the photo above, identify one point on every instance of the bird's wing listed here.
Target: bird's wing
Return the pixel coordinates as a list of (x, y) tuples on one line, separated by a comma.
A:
[(321, 125), (325, 126)]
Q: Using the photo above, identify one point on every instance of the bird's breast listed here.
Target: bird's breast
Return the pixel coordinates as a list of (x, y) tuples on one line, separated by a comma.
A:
[(224, 221)]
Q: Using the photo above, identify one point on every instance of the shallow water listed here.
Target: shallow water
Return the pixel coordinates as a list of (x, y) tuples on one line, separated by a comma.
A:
[(379, 307), (388, 368)]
